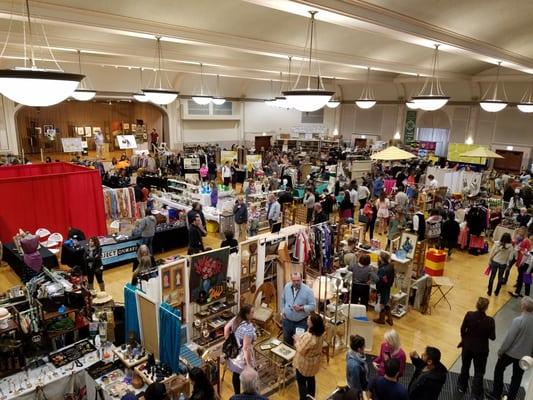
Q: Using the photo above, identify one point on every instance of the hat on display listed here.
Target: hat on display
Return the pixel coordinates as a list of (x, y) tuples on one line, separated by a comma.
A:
[(102, 298), (4, 313)]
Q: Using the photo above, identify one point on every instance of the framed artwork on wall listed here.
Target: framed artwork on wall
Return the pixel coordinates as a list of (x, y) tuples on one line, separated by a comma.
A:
[(88, 131), (408, 243)]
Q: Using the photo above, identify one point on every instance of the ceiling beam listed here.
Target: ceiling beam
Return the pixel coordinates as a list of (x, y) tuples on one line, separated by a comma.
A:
[(77, 18), (361, 15)]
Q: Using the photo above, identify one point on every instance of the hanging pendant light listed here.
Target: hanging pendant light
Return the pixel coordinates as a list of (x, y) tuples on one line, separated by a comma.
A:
[(526, 104), (366, 100), (281, 101), (431, 97), (270, 102), (140, 96), (308, 99), (217, 100), (82, 93), (410, 103), (34, 86), (202, 99), (334, 102), (494, 103), (157, 94)]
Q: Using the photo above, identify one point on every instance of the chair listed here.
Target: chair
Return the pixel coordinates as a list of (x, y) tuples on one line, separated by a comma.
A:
[(326, 344), (54, 243), (266, 293), (43, 234)]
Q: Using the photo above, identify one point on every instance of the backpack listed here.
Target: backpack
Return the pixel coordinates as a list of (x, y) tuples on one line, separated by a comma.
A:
[(230, 347)]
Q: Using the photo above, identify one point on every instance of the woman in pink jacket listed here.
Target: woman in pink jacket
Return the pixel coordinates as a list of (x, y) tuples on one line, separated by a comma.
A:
[(390, 348)]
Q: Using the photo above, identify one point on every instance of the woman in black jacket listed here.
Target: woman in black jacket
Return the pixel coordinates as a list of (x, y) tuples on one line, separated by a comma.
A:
[(383, 286), (450, 233), (202, 388), (476, 331), (346, 206), (93, 263)]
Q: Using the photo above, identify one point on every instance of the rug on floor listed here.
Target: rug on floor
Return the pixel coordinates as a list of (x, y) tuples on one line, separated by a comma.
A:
[(449, 391)]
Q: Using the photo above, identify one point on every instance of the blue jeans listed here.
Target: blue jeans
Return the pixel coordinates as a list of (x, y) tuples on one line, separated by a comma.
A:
[(148, 241), (289, 329)]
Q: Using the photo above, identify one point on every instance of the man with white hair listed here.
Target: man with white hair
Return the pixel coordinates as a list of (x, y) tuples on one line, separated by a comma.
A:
[(517, 344), (249, 386)]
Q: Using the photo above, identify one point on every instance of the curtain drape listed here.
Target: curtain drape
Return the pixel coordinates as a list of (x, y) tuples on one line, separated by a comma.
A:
[(131, 323), (55, 196), (438, 135), (169, 335)]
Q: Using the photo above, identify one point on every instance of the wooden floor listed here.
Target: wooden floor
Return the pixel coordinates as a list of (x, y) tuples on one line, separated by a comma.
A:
[(440, 329)]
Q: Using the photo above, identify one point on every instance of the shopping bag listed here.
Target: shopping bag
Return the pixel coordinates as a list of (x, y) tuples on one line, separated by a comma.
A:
[(488, 270), (527, 278)]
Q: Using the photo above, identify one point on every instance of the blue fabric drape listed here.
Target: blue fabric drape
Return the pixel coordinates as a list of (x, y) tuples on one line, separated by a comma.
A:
[(169, 335), (130, 310)]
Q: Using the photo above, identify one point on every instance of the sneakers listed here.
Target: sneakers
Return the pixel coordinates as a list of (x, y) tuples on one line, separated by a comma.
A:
[(515, 294)]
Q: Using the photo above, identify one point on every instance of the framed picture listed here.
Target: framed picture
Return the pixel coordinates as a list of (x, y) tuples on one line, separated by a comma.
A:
[(125, 126), (38, 130), (47, 127), (165, 279), (96, 129), (80, 131), (178, 278), (253, 264), (408, 243), (88, 130)]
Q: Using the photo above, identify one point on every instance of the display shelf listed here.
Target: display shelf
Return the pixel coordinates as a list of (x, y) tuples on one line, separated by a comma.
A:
[(227, 307)]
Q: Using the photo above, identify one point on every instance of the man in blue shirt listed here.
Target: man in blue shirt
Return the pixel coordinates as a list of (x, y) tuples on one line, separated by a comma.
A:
[(387, 387), (297, 302)]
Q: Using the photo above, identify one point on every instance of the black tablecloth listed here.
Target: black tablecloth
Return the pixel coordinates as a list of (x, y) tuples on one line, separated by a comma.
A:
[(164, 240), (16, 261), (152, 181)]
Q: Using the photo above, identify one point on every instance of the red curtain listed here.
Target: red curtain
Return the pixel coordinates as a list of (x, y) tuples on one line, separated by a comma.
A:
[(55, 196)]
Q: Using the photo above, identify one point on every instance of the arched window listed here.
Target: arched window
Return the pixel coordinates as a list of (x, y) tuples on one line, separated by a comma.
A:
[(434, 127)]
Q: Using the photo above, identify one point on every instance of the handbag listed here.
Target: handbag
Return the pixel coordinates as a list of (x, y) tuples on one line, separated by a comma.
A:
[(526, 278), (230, 347)]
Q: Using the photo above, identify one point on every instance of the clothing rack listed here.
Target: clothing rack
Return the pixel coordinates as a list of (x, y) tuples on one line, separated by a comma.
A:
[(167, 310)]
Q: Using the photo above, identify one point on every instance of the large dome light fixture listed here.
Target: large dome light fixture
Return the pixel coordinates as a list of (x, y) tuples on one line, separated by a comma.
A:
[(83, 93), (218, 100), (37, 87), (140, 96), (366, 100), (34, 86), (494, 103), (158, 94), (281, 101), (308, 99), (202, 99), (431, 97), (334, 102), (526, 104)]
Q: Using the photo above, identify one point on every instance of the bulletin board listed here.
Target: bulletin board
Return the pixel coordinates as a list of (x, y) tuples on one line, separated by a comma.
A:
[(173, 280), (148, 323)]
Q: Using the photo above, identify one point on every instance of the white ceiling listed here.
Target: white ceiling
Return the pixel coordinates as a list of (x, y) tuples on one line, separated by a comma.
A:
[(252, 39)]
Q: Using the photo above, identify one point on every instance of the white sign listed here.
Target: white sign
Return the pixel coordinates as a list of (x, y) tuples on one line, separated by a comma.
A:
[(126, 142), (72, 144)]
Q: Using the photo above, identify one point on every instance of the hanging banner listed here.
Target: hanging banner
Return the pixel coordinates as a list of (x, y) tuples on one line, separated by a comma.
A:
[(410, 127)]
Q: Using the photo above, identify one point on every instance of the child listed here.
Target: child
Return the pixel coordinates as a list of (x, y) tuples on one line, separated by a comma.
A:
[(394, 227), (203, 173), (214, 195)]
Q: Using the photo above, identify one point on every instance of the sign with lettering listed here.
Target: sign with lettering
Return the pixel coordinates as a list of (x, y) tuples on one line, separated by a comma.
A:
[(410, 127)]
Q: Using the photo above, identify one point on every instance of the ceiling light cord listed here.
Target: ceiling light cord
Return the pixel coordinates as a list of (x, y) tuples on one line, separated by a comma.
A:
[(32, 59), (159, 61), (50, 49), (311, 49)]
